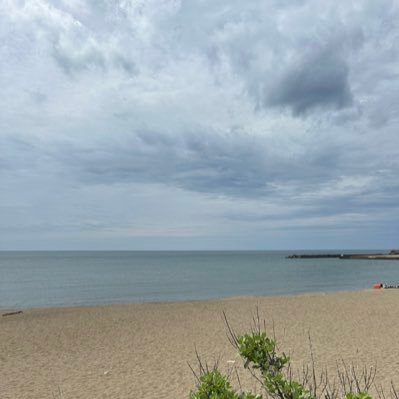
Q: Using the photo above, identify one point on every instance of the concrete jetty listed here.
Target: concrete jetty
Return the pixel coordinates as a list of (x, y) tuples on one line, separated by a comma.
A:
[(392, 255)]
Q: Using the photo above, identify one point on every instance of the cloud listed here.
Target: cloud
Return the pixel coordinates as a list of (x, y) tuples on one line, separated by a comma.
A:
[(75, 46), (320, 80), (286, 108), (205, 161)]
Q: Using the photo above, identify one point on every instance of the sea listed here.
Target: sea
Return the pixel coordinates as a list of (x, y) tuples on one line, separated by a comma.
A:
[(77, 278)]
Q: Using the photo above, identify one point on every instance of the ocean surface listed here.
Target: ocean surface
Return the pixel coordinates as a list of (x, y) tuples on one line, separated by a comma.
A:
[(69, 278)]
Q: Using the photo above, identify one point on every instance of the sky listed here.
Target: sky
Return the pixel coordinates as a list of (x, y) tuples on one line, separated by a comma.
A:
[(199, 124)]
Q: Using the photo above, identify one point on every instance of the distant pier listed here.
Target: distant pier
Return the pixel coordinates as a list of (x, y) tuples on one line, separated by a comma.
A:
[(393, 255)]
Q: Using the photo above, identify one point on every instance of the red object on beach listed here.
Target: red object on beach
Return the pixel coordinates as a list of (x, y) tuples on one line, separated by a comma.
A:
[(378, 285)]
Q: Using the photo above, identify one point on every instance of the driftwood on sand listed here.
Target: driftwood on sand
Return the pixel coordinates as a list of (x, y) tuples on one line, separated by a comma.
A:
[(12, 313)]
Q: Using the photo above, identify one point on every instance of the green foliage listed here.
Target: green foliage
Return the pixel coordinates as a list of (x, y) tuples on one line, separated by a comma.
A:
[(279, 387), (259, 353), (260, 350), (360, 395), (214, 385)]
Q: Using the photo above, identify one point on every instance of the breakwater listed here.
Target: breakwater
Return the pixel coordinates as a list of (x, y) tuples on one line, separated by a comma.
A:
[(393, 255)]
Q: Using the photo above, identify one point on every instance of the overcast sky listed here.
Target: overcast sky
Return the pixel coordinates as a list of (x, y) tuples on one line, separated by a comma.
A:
[(199, 124)]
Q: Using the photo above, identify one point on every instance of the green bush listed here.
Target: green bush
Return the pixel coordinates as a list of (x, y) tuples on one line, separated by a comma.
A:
[(214, 385), (273, 371)]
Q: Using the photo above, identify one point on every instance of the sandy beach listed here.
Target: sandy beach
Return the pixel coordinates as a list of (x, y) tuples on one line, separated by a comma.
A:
[(142, 350)]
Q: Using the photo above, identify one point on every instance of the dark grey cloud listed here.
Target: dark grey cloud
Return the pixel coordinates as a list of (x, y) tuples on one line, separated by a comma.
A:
[(319, 80), (232, 165), (201, 162), (303, 70)]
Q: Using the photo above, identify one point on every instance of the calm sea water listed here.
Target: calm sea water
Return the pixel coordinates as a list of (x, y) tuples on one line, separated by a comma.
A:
[(40, 279)]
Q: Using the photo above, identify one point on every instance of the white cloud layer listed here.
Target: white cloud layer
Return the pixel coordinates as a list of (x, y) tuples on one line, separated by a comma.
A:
[(199, 124)]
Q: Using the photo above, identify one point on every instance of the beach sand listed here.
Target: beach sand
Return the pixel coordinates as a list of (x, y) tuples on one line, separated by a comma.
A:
[(142, 350)]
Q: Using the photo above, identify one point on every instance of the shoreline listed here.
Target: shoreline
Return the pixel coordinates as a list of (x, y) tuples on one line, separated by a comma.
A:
[(141, 350), (213, 299)]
